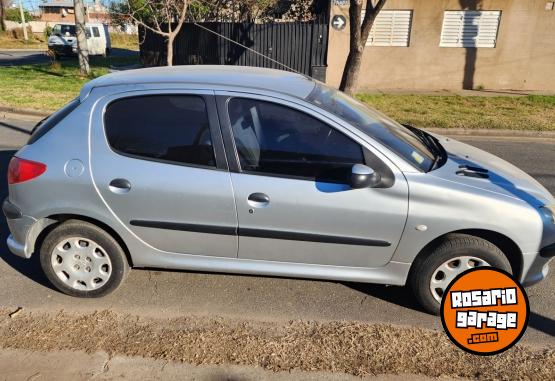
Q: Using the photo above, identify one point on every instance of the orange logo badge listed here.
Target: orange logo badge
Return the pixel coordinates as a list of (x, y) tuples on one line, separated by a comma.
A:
[(485, 311)]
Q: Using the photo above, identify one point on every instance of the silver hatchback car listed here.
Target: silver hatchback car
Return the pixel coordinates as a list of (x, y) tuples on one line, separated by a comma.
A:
[(258, 171)]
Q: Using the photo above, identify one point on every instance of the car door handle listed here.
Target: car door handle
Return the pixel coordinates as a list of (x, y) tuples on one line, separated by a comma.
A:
[(120, 186), (258, 200)]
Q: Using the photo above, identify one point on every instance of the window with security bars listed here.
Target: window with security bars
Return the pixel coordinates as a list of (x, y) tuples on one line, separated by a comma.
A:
[(470, 29), (391, 28)]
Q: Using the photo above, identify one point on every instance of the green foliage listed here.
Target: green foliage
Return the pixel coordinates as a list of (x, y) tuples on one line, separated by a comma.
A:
[(13, 14), (47, 31)]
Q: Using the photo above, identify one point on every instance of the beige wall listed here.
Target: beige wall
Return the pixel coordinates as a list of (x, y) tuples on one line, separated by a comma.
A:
[(524, 58)]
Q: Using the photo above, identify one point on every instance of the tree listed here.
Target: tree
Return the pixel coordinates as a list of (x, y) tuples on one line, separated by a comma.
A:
[(358, 36), (4, 6), (82, 48), (13, 14), (163, 17)]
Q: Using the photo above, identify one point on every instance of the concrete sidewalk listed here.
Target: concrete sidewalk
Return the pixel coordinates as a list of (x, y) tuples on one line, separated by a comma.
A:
[(76, 365)]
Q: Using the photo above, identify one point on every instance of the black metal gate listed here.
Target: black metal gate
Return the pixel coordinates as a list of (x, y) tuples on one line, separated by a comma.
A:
[(301, 46)]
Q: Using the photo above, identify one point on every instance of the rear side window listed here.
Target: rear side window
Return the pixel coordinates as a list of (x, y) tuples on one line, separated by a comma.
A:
[(95, 31), (47, 124), (167, 128)]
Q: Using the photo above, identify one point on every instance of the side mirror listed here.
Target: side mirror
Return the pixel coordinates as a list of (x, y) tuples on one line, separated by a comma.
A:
[(362, 176)]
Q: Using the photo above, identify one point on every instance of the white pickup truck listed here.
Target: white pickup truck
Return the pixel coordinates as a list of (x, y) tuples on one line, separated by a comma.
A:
[(63, 39)]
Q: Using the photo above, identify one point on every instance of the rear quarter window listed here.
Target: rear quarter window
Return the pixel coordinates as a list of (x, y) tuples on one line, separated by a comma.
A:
[(50, 122)]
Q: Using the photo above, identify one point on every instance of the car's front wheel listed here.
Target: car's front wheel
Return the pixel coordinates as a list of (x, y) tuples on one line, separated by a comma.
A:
[(434, 271), (80, 259)]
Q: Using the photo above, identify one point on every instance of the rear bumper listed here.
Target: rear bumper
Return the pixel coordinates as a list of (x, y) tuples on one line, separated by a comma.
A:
[(19, 226)]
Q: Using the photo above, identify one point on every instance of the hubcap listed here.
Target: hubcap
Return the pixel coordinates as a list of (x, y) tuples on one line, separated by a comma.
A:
[(447, 271), (81, 263)]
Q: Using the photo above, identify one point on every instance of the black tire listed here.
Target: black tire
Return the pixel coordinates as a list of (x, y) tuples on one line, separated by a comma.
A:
[(454, 245), (78, 228)]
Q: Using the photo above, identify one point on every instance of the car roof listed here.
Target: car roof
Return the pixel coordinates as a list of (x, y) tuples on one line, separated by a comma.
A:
[(215, 76)]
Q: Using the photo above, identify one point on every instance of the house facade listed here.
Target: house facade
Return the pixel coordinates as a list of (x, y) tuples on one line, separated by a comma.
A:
[(451, 44), (63, 11), (57, 10)]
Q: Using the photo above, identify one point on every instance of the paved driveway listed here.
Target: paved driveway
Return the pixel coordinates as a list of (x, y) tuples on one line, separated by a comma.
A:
[(165, 293)]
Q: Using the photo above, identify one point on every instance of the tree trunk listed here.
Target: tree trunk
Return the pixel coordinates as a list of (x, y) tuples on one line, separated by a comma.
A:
[(170, 49), (2, 16), (358, 35), (82, 48), (352, 70)]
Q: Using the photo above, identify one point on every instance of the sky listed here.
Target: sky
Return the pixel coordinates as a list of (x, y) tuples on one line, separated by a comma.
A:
[(33, 5)]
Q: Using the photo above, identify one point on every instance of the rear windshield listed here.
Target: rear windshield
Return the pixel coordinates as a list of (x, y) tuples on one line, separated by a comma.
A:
[(48, 123)]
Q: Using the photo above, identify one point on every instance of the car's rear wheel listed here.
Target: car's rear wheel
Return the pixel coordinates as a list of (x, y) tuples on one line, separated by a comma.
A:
[(80, 259), (433, 272)]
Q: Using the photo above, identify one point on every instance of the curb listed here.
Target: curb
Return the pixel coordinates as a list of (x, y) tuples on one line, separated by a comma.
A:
[(485, 133), (24, 112)]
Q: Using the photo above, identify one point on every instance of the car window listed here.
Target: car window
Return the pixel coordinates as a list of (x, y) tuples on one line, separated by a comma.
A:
[(278, 140), (88, 32), (168, 128), (62, 30), (388, 132), (95, 31)]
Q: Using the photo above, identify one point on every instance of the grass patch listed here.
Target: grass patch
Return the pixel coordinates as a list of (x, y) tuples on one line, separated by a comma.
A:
[(531, 112), (124, 41), (354, 348), (8, 41), (49, 86)]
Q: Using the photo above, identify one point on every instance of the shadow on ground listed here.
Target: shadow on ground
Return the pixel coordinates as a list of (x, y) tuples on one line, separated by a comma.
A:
[(29, 268)]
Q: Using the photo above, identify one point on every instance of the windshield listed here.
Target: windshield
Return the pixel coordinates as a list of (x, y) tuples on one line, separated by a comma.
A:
[(63, 30), (388, 132)]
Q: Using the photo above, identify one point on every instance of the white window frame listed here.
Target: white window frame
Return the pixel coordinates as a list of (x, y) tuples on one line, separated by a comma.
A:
[(470, 29), (393, 32)]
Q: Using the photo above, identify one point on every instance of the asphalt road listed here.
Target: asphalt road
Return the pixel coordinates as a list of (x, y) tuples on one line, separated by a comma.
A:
[(166, 293), (32, 57)]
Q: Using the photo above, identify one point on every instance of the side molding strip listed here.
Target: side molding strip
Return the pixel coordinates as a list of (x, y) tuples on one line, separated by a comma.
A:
[(260, 233), (210, 229), (309, 237)]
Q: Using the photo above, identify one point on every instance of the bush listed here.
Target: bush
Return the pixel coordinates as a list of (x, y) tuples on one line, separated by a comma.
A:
[(13, 14), (47, 31)]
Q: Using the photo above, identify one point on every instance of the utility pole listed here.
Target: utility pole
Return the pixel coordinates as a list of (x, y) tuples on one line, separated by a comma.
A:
[(23, 21), (82, 49)]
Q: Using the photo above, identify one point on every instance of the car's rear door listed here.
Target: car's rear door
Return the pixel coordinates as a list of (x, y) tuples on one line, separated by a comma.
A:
[(291, 188), (157, 162)]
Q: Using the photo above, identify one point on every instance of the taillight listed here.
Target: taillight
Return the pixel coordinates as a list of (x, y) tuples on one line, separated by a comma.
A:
[(20, 170)]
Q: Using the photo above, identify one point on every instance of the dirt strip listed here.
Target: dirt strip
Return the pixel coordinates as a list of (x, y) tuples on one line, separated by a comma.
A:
[(349, 347)]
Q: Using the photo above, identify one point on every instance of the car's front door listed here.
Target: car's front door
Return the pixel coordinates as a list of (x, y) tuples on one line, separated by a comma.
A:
[(291, 188), (157, 162)]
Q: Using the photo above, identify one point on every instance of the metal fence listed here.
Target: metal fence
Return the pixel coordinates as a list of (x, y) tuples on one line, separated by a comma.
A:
[(301, 46)]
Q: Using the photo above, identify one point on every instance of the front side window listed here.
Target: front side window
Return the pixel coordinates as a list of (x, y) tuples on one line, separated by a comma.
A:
[(95, 31), (169, 128), (388, 132), (277, 140)]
